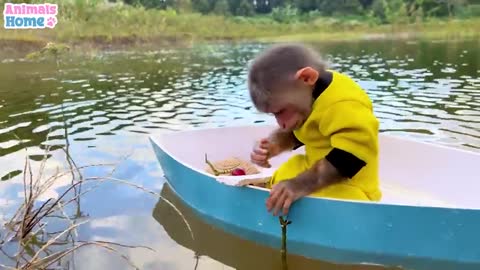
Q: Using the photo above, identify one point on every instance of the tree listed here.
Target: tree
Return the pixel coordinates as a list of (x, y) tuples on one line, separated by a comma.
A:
[(306, 5), (379, 10), (202, 6), (233, 4), (454, 6), (263, 6), (151, 3), (287, 14), (340, 7), (245, 8), (351, 7), (390, 11), (281, 3), (221, 7), (436, 8), (183, 5), (366, 3)]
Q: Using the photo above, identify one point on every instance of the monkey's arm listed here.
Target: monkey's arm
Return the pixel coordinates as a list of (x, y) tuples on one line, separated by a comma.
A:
[(322, 174), (285, 140)]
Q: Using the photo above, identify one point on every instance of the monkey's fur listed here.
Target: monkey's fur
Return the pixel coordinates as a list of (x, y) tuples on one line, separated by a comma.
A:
[(273, 71)]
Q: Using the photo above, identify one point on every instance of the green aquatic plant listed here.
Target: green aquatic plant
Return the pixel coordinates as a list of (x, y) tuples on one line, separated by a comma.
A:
[(283, 224)]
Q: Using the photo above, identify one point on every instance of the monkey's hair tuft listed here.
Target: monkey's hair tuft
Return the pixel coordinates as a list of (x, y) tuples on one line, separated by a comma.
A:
[(276, 67)]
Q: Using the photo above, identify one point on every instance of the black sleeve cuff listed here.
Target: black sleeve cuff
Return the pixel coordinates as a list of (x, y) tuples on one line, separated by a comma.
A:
[(297, 144), (346, 163)]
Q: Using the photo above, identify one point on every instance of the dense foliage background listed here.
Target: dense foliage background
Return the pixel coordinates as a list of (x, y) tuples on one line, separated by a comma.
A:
[(283, 10)]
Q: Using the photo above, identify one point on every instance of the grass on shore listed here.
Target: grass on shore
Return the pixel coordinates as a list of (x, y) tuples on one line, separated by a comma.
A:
[(107, 25), (432, 29)]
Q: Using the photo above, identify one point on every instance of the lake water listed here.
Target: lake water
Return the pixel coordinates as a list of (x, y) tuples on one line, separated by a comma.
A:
[(108, 104)]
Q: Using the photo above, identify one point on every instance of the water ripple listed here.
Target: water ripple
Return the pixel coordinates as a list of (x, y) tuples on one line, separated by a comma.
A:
[(413, 93)]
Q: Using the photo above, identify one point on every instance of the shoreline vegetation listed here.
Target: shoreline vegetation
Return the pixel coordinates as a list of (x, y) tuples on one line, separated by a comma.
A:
[(97, 25)]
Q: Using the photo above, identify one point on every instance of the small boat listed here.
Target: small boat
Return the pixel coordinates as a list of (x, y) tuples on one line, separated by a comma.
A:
[(427, 219)]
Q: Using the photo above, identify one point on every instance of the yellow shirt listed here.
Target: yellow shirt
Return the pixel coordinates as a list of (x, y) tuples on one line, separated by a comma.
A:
[(342, 117)]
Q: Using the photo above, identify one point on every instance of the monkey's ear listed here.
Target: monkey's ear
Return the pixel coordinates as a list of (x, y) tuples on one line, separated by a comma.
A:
[(308, 75)]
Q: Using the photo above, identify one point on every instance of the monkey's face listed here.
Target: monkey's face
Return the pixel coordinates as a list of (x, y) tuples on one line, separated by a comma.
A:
[(291, 108), (289, 98)]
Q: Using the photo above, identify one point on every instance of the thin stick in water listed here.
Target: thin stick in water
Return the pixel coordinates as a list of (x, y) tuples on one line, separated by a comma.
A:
[(284, 223)]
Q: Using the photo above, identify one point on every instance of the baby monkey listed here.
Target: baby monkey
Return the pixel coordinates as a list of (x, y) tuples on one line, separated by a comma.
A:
[(326, 112)]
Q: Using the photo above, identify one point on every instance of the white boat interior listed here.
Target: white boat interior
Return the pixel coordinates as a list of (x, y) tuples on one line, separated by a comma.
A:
[(411, 172)]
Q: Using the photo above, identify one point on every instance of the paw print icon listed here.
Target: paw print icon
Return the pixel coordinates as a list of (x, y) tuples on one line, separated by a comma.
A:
[(51, 22)]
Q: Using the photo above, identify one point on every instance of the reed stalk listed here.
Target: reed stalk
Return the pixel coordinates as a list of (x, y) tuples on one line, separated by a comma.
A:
[(26, 229)]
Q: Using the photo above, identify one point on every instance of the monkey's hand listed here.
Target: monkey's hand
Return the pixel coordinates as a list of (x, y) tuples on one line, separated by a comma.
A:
[(286, 192), (263, 151), (283, 195), (278, 142)]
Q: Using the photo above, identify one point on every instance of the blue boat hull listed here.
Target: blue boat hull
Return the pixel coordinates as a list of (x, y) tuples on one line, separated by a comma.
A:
[(418, 238)]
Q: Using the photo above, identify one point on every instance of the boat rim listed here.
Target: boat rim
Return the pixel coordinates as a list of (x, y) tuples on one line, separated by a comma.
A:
[(154, 139)]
